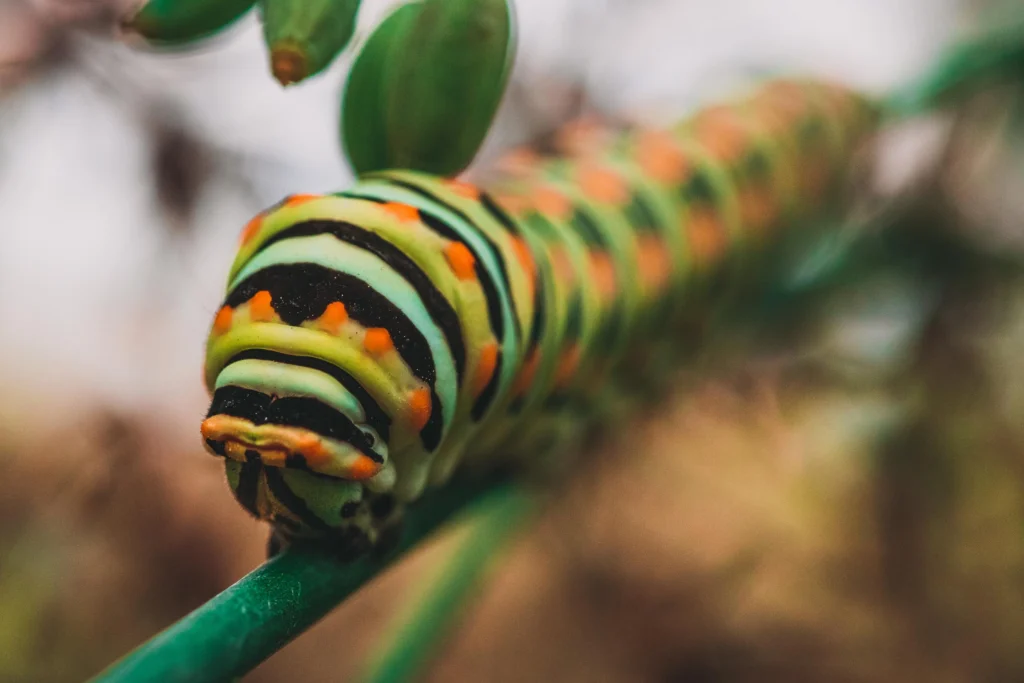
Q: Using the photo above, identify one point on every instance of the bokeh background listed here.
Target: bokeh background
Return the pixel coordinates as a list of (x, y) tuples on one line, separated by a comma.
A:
[(849, 508)]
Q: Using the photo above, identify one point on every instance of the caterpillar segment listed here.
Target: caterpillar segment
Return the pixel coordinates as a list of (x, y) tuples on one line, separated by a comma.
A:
[(818, 124), (626, 229), (651, 216), (375, 341), (561, 351), (502, 263)]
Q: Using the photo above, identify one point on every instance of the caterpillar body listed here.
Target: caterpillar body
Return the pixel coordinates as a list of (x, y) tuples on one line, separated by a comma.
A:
[(375, 340)]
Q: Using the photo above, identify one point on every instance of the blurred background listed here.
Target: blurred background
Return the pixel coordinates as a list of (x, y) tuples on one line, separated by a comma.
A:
[(849, 509)]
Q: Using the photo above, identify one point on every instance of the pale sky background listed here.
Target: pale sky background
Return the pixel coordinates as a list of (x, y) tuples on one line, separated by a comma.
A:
[(96, 307)]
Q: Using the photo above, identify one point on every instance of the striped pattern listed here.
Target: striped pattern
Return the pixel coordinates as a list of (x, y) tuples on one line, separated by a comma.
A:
[(372, 340)]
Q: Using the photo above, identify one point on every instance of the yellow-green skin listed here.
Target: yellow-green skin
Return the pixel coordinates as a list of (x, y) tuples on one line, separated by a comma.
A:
[(600, 259)]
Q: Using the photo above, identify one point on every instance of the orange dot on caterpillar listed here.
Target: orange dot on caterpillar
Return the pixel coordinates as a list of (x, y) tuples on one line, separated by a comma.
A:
[(550, 201), (562, 264), (721, 130), (655, 263), (298, 199), (521, 162), (261, 308), (758, 208), (567, 364), (419, 408), (378, 341), (463, 189), (363, 468), (602, 270), (485, 370), (581, 136), (660, 157), (251, 229), (526, 373), (515, 204), (707, 237), (403, 212), (524, 254), (333, 317), (222, 322), (525, 257), (461, 259), (603, 184)]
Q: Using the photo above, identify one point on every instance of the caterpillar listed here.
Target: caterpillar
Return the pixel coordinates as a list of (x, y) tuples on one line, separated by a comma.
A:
[(374, 341)]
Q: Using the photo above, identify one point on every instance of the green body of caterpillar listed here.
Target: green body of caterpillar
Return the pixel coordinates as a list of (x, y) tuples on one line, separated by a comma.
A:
[(374, 340)]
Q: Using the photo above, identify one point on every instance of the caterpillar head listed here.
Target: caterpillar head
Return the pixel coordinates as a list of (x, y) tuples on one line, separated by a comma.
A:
[(301, 452), (293, 411)]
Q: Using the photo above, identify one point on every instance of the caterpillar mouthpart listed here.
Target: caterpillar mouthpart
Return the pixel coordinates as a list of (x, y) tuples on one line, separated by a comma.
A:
[(277, 445)]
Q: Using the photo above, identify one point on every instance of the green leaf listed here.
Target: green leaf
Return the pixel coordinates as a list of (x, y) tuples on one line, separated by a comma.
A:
[(449, 77), (179, 22), (363, 113)]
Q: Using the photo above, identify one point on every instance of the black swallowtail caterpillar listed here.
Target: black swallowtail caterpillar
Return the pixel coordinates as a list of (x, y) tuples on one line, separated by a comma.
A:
[(374, 340)]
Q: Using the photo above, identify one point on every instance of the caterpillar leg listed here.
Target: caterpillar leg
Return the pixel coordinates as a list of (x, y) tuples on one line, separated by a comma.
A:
[(349, 543)]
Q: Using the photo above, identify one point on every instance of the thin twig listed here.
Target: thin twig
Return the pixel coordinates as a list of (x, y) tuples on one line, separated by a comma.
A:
[(246, 623), (417, 636)]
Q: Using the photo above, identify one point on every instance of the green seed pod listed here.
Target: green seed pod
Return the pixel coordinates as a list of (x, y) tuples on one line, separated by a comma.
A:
[(363, 131), (175, 22), (304, 36), (447, 82)]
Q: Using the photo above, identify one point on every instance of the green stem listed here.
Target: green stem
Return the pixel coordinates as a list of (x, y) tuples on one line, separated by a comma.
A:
[(996, 53), (419, 634), (266, 609)]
